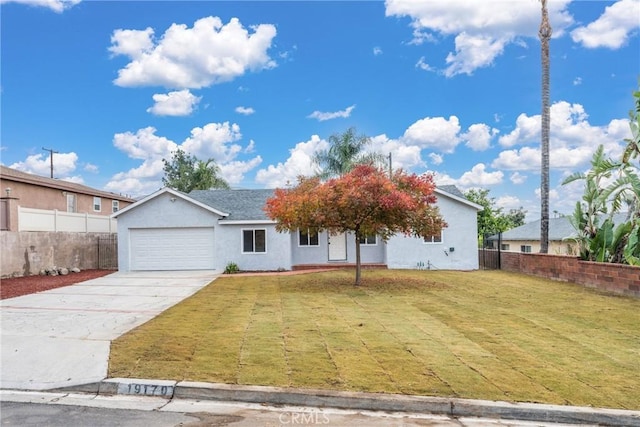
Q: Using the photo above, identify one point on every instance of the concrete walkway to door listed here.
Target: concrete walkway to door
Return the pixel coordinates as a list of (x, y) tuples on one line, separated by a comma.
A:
[(61, 337)]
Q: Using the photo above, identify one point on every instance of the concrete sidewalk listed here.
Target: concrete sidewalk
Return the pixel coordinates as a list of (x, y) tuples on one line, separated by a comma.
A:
[(61, 337)]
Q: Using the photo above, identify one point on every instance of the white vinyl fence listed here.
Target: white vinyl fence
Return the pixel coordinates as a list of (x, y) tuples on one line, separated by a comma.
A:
[(46, 220)]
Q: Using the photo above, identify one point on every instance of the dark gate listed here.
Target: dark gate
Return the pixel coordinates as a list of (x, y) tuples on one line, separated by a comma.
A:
[(108, 252), (489, 253)]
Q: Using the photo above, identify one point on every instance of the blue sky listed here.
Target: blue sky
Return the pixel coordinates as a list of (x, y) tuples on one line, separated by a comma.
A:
[(451, 87)]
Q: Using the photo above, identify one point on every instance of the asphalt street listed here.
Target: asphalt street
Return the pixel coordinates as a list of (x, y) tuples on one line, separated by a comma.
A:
[(37, 409)]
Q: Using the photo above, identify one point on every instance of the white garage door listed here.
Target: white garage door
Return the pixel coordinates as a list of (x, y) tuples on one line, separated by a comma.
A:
[(171, 249)]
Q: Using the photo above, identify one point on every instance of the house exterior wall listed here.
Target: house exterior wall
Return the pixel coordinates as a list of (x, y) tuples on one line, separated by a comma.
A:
[(555, 247), (160, 212), (320, 254), (228, 248), (460, 235)]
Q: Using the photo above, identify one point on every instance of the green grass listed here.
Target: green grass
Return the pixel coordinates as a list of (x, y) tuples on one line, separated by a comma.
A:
[(484, 334)]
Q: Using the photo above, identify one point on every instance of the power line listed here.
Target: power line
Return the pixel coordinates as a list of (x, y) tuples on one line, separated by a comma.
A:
[(51, 152)]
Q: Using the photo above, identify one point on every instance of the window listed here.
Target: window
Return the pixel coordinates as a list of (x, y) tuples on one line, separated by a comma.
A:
[(254, 241), (504, 247), (436, 238), (307, 238), (115, 206), (369, 239), (97, 204), (525, 248), (71, 202)]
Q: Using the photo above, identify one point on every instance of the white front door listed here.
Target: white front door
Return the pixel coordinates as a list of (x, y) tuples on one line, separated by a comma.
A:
[(338, 247)]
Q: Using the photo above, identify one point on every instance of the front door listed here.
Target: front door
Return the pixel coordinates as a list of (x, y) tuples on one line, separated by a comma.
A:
[(338, 247)]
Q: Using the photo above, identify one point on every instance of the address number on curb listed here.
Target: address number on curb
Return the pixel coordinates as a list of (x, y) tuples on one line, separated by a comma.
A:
[(146, 389)]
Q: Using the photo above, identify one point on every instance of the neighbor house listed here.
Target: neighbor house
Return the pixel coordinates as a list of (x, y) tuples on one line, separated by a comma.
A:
[(170, 230), (526, 238), (47, 222), (27, 191)]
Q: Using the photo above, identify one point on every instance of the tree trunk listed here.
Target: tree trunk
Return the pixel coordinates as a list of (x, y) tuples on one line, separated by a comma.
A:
[(545, 35), (358, 272)]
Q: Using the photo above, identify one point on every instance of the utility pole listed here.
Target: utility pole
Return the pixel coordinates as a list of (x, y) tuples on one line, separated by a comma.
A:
[(51, 152), (390, 168)]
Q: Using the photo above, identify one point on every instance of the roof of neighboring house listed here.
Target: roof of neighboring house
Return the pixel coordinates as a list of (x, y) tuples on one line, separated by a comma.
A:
[(451, 189), (242, 205), (559, 229), (9, 174)]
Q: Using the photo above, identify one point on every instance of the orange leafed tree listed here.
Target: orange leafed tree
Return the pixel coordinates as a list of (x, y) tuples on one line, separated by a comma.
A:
[(364, 201)]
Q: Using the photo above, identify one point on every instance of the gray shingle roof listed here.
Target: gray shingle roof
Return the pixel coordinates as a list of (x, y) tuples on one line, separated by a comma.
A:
[(241, 205), (559, 229), (453, 190), (247, 205)]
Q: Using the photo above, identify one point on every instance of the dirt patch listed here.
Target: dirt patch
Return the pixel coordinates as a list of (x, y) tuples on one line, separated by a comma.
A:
[(18, 286)]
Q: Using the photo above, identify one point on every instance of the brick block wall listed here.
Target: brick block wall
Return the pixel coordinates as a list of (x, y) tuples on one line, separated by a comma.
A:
[(616, 278)]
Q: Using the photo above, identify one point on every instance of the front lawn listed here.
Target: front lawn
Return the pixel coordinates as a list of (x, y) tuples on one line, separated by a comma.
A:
[(483, 335)]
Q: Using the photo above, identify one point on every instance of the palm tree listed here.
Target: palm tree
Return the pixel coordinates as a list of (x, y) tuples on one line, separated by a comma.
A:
[(545, 34), (346, 152)]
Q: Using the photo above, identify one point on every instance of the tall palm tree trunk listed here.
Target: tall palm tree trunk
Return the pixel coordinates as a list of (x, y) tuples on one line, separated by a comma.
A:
[(544, 34)]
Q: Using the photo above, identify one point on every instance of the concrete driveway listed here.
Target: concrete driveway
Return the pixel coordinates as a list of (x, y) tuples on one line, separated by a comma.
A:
[(61, 337)]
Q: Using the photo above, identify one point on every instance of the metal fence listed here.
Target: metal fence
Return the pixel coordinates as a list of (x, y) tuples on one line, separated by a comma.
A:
[(489, 253), (108, 252)]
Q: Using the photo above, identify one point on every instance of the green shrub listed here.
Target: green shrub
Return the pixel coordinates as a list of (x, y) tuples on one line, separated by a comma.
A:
[(231, 268)]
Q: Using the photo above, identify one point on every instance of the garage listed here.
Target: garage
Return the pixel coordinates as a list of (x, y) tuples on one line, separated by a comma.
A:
[(178, 248)]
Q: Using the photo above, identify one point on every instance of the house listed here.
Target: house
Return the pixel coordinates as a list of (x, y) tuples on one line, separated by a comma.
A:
[(526, 238), (25, 190), (169, 230)]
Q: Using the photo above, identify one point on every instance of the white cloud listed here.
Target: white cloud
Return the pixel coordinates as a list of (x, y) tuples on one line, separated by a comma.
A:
[(377, 51), (481, 30), (472, 52), (299, 163), (613, 28), (403, 156), (233, 172), (434, 132), (38, 164), (436, 159), (91, 168), (572, 139), (132, 43), (143, 144), (479, 177), (517, 178), (177, 103), (479, 136), (321, 117), (58, 6), (508, 202), (208, 53), (422, 64), (213, 140), (247, 111), (577, 81)]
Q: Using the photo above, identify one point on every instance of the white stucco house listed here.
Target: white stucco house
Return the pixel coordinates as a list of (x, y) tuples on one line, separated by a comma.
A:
[(203, 230)]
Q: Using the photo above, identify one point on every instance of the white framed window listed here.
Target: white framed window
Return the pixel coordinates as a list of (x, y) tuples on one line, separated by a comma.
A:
[(434, 238), (115, 206), (307, 238), (254, 241), (525, 248), (504, 247), (97, 204), (71, 203), (369, 240)]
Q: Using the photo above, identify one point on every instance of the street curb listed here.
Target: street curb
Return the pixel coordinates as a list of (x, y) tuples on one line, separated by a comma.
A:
[(452, 407)]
